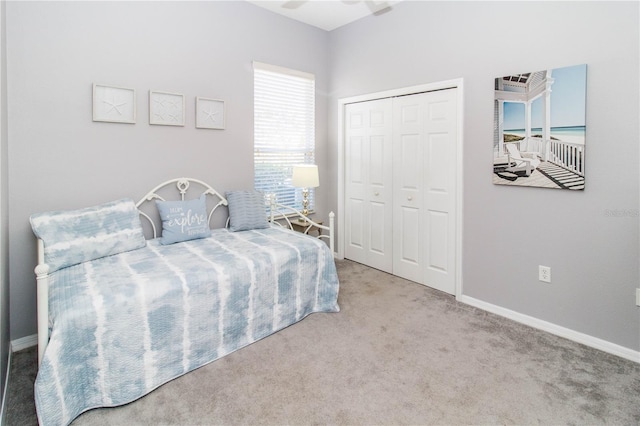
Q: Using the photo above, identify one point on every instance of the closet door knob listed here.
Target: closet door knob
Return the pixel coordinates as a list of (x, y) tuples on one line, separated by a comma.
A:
[(409, 198), (376, 193)]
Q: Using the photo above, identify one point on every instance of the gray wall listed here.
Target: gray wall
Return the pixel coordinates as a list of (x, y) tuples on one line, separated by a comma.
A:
[(60, 159), (4, 216), (509, 231)]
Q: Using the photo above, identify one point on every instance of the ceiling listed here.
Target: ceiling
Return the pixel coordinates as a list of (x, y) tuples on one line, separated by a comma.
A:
[(326, 14)]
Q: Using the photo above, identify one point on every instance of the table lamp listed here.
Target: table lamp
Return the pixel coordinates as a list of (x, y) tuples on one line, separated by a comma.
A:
[(305, 176)]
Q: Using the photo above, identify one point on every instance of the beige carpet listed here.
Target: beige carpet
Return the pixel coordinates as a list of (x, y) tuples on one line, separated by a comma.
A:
[(397, 353)]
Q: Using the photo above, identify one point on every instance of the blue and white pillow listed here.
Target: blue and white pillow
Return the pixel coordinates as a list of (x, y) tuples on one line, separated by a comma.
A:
[(246, 210), (183, 220), (75, 236)]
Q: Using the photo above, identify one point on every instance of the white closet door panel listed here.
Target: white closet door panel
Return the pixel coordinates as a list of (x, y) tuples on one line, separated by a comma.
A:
[(355, 119), (379, 189), (355, 236), (407, 188), (410, 249), (368, 225), (424, 188), (409, 108), (437, 164), (355, 160), (377, 221), (440, 189), (439, 272), (437, 225), (407, 262), (377, 167), (408, 172), (355, 176), (438, 109), (378, 115)]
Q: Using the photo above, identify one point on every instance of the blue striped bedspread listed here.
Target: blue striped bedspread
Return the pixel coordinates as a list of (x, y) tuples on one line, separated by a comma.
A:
[(123, 325)]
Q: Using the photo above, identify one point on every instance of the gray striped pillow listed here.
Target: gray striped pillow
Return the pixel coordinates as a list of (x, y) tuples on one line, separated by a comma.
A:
[(246, 210)]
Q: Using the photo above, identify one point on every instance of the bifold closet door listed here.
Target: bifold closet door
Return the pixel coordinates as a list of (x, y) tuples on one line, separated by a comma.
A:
[(368, 183), (424, 188)]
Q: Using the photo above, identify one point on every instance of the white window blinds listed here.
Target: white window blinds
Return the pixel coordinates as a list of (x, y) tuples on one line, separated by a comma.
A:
[(284, 130)]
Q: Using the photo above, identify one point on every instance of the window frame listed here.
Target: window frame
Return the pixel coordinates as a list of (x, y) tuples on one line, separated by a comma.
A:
[(283, 137)]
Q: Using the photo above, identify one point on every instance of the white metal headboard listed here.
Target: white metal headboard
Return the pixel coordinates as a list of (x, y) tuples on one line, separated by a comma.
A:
[(182, 185)]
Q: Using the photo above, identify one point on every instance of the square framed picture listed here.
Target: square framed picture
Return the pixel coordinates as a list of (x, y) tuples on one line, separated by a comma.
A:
[(210, 113), (166, 109), (114, 104)]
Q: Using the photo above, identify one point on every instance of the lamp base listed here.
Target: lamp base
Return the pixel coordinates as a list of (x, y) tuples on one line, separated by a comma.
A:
[(305, 202)]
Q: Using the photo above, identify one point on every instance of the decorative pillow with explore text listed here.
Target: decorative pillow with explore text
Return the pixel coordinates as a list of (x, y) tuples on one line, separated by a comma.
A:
[(75, 236), (246, 210), (183, 220)]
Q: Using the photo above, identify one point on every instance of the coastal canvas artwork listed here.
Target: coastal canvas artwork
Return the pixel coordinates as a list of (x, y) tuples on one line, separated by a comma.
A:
[(539, 128)]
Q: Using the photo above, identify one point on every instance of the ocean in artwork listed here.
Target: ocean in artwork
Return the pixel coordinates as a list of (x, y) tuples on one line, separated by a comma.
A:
[(570, 134)]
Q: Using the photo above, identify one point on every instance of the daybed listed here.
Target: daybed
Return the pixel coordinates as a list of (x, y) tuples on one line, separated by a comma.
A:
[(119, 315)]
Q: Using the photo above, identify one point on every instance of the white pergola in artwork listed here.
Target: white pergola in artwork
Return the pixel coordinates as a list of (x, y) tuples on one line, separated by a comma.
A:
[(526, 88)]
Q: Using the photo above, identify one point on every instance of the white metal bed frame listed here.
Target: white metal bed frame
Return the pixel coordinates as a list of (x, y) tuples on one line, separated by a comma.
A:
[(279, 214)]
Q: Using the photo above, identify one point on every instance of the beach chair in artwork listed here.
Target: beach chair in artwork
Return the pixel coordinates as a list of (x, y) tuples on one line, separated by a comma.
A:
[(521, 161)]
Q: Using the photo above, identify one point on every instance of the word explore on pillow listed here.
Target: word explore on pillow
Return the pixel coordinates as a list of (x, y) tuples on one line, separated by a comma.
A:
[(183, 220)]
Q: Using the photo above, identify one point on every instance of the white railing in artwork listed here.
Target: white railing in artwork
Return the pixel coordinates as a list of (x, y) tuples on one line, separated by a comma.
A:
[(567, 155)]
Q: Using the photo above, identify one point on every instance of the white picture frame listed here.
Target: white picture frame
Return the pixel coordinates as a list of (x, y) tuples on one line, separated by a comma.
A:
[(166, 109), (210, 113), (114, 104), (540, 126)]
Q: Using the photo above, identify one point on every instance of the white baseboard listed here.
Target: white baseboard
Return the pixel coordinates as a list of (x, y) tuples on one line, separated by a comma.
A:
[(567, 333), (24, 343)]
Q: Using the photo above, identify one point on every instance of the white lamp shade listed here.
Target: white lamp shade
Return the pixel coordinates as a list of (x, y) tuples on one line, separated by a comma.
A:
[(305, 176)]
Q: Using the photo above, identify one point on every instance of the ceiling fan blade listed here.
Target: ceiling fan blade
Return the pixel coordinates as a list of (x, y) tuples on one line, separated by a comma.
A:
[(293, 4), (378, 7)]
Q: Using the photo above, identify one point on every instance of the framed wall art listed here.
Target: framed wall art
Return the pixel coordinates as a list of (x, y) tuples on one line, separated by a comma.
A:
[(540, 128), (210, 113), (166, 109), (114, 104)]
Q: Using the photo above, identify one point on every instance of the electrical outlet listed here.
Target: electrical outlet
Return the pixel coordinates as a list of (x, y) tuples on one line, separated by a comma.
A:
[(544, 273)]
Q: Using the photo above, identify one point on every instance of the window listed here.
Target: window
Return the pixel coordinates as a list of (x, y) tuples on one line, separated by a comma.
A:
[(284, 130)]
